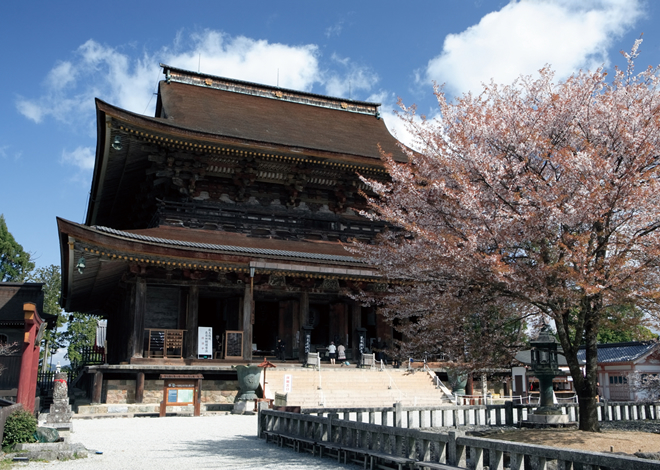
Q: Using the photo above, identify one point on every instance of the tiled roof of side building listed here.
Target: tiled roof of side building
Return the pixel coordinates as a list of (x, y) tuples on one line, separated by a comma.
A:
[(620, 352)]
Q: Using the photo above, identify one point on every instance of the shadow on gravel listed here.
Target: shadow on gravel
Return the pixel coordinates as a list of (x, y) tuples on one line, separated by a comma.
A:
[(249, 448)]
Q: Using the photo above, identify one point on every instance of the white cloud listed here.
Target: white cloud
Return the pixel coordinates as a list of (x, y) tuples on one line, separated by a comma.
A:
[(248, 59), (6, 152), (334, 30), (389, 113), (524, 36), (128, 79), (82, 157), (350, 79), (100, 71)]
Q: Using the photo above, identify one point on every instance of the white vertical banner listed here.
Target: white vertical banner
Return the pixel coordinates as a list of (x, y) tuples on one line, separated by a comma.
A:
[(288, 379), (204, 342)]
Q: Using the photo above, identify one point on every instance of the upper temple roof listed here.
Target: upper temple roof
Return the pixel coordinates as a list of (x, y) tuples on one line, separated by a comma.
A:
[(267, 114)]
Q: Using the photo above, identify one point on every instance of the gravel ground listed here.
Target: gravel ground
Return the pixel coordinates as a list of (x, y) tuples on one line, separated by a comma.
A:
[(230, 442), (225, 441)]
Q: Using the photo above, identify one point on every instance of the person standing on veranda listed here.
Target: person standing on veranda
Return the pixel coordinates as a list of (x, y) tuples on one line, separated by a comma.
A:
[(332, 352), (341, 353)]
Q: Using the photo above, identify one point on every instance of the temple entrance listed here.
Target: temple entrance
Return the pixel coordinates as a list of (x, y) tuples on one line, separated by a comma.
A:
[(266, 325), (221, 314), (319, 320), (369, 322)]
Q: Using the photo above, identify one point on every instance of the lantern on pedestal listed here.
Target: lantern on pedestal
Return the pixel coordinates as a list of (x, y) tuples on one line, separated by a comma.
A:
[(545, 365)]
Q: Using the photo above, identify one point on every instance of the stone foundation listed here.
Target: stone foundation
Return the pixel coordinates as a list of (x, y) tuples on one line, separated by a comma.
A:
[(120, 392)]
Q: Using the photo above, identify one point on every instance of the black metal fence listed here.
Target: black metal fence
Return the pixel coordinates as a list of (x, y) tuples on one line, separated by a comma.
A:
[(45, 381)]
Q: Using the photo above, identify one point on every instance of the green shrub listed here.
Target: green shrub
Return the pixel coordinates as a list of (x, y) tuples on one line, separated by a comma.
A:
[(20, 427)]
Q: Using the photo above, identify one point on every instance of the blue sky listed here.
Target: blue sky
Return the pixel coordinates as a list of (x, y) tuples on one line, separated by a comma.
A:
[(56, 57)]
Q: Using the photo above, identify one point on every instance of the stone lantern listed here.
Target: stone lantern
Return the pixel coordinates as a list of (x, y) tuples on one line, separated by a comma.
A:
[(545, 365)]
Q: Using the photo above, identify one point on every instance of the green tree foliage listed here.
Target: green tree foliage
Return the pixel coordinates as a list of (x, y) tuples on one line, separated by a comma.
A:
[(623, 324), (80, 329), (80, 332), (51, 278), (15, 263)]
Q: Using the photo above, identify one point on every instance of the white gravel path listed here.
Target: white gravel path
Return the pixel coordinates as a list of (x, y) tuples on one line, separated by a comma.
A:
[(225, 442)]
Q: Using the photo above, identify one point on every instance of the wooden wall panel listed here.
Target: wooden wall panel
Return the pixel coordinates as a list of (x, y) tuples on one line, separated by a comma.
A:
[(162, 307)]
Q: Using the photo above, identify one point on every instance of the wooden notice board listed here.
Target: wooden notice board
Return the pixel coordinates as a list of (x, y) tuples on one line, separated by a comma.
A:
[(234, 345), (181, 390)]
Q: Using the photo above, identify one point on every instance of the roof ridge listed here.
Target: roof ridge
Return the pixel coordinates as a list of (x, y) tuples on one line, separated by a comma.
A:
[(178, 75)]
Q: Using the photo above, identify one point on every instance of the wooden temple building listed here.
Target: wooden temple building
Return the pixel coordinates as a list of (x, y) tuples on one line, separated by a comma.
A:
[(216, 228)]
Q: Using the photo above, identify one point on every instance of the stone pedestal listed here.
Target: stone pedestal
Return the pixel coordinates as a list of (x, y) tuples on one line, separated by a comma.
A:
[(548, 419), (60, 411)]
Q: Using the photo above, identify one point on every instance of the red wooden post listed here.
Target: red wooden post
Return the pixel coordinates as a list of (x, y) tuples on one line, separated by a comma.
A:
[(27, 379)]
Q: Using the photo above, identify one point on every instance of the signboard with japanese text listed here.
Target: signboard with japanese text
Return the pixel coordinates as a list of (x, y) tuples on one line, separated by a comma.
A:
[(204, 342), (181, 390), (288, 379)]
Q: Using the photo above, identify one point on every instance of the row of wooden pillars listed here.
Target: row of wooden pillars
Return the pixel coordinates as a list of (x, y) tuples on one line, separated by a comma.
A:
[(345, 318)]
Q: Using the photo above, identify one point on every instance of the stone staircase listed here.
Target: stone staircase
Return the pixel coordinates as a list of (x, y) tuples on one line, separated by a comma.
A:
[(338, 386)]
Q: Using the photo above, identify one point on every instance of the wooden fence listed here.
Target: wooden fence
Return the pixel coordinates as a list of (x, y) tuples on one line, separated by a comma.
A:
[(386, 446), (508, 414), (89, 355)]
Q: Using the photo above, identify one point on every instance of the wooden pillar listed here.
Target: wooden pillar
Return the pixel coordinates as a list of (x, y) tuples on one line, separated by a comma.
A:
[(356, 322), (192, 320), (27, 378), (303, 320), (296, 335), (304, 309), (248, 306), (97, 388), (136, 339), (139, 387)]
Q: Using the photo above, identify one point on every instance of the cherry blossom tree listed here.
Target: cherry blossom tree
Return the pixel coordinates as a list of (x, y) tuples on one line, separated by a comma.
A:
[(538, 201)]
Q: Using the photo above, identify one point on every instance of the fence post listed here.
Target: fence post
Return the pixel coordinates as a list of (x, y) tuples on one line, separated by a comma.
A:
[(329, 429), (455, 452), (398, 415), (508, 413), (260, 426)]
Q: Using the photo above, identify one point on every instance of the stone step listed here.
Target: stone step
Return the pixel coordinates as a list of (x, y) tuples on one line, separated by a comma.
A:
[(351, 387)]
